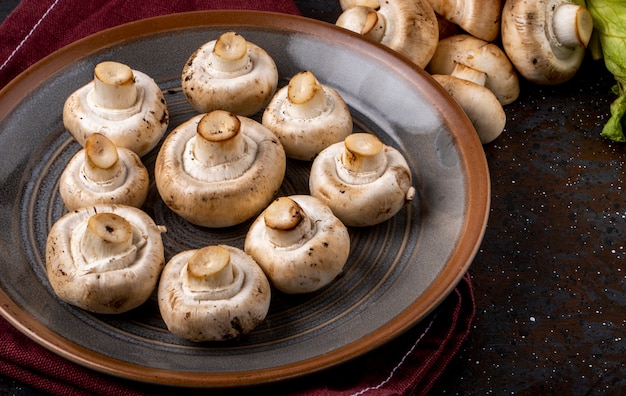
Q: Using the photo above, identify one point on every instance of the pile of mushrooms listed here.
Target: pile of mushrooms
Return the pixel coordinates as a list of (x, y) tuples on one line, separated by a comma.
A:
[(482, 45), (124, 105), (217, 169)]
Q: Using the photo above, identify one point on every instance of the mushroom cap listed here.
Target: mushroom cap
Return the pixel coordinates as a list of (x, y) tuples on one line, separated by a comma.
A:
[(480, 55), (209, 315), (104, 288), (243, 92), (363, 203), (139, 128), (315, 257), (479, 104), (531, 43), (224, 201), (408, 27), (129, 187), (479, 18), (304, 138)]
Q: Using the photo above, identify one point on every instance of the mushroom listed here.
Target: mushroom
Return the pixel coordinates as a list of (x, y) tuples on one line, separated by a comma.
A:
[(362, 180), (481, 56), (124, 105), (105, 258), (103, 173), (479, 104), (219, 169), (307, 117), (408, 27), (214, 293), (546, 39), (231, 74), (299, 243), (479, 18)]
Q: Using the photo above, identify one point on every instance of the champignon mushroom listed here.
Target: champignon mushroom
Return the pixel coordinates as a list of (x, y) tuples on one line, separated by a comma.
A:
[(307, 116), (230, 74), (480, 18), (408, 27), (124, 105), (103, 173), (219, 169), (105, 258), (299, 243), (362, 180), (214, 293), (546, 39), (479, 104), (481, 56)]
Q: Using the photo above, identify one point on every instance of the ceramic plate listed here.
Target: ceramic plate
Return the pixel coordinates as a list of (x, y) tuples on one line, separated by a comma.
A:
[(398, 271)]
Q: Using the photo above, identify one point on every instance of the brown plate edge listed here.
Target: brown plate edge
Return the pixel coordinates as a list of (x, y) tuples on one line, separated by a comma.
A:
[(478, 188)]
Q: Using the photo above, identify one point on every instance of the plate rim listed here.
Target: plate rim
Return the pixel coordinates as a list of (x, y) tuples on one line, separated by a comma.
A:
[(477, 206)]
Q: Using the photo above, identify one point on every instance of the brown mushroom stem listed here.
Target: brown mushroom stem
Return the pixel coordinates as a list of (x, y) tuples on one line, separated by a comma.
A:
[(572, 25), (107, 242), (288, 225), (102, 162), (114, 86), (469, 74), (305, 96), (230, 53), (365, 21), (219, 140), (363, 159), (209, 268)]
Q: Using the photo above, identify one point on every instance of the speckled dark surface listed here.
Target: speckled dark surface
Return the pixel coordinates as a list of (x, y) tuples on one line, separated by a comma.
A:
[(549, 279)]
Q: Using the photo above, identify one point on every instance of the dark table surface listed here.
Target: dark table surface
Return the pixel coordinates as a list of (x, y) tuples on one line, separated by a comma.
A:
[(549, 278)]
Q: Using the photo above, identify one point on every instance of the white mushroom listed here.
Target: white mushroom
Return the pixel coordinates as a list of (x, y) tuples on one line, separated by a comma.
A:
[(103, 173), (105, 258), (122, 104), (307, 116), (214, 293), (481, 56), (219, 169), (480, 18), (230, 74), (300, 244), (479, 104), (408, 27), (362, 180), (546, 39)]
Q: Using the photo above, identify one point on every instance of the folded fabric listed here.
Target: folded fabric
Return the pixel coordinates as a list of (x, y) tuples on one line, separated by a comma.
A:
[(37, 28), (410, 364)]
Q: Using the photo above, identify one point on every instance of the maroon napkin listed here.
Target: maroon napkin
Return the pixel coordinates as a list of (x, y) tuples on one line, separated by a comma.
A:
[(410, 364)]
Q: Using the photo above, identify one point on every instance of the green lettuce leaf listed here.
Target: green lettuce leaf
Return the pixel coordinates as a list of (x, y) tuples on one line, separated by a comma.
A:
[(609, 23)]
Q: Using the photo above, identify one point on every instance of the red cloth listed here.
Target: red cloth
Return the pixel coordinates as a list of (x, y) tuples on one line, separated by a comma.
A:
[(411, 364)]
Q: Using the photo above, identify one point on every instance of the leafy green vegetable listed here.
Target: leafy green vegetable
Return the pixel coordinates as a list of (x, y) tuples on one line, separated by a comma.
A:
[(609, 23)]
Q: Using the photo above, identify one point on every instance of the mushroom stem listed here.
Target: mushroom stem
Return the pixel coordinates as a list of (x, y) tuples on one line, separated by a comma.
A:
[(469, 74), (218, 139), (365, 21), (102, 162), (572, 25), (305, 96), (106, 243), (363, 159), (114, 86), (210, 269), (230, 53), (287, 224)]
